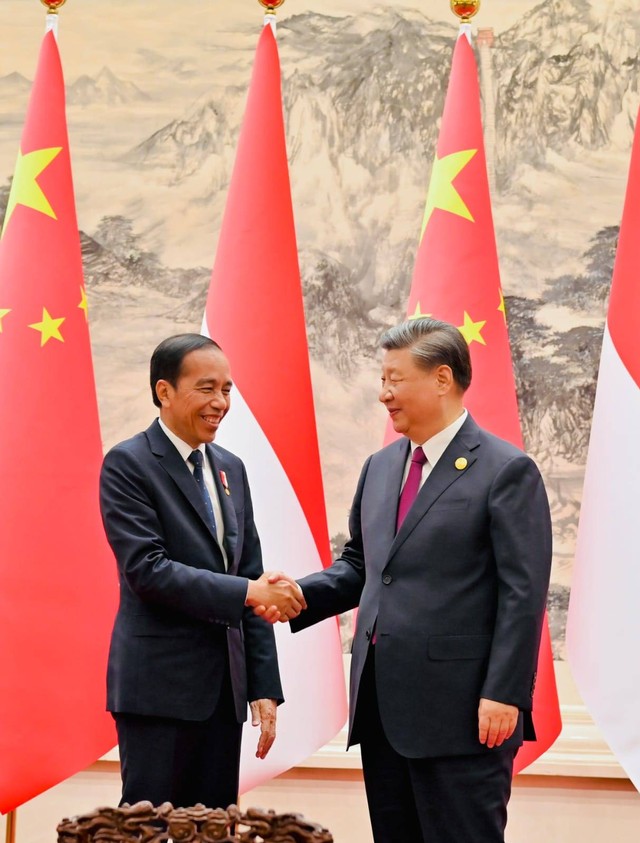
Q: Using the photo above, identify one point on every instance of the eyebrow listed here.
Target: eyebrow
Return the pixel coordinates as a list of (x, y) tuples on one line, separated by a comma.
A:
[(204, 381)]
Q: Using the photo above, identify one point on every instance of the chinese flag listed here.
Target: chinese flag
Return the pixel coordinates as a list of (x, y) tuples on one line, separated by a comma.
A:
[(255, 311), (57, 577), (603, 627), (456, 278)]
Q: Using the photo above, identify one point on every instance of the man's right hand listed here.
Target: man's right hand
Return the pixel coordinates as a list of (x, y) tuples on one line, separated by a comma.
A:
[(275, 599)]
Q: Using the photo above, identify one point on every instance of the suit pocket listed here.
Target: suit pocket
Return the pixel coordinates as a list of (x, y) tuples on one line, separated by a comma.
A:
[(444, 647)]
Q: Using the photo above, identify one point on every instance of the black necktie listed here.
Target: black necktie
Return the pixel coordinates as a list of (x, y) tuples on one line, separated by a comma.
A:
[(195, 458)]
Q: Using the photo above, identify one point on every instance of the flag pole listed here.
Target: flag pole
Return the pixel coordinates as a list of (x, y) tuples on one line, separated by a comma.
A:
[(10, 831), (52, 15), (464, 10), (270, 12)]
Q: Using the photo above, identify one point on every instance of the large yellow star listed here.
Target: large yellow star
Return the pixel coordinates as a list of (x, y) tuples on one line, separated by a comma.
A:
[(502, 308), (471, 330), (417, 313), (3, 313), (49, 327), (84, 304), (442, 194), (25, 189)]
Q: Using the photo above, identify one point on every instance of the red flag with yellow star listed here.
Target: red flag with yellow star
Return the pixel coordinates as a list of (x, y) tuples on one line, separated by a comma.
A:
[(456, 278), (58, 588)]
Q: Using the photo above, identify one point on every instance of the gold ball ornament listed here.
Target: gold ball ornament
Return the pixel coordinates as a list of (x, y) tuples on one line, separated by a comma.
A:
[(271, 5), (53, 5), (465, 9)]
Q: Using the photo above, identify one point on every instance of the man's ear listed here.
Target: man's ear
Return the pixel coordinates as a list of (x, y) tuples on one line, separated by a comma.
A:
[(163, 392), (444, 379)]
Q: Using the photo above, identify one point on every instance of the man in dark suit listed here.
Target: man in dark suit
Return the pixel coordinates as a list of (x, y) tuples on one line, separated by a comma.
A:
[(449, 561), (188, 649)]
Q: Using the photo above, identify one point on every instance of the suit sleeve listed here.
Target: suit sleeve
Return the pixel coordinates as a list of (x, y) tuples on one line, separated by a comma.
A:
[(338, 588), (136, 535), (520, 525)]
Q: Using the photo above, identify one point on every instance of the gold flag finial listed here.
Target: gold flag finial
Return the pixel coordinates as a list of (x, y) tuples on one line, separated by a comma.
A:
[(270, 6), (465, 9), (53, 5)]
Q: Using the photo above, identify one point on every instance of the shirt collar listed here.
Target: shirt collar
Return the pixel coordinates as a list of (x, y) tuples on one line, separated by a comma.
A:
[(183, 448), (435, 447)]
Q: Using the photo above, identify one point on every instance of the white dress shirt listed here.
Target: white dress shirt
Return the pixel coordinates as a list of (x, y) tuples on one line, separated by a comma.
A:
[(434, 448), (185, 450)]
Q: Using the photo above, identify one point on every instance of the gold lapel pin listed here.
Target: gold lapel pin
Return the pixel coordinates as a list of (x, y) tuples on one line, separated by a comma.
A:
[(461, 463)]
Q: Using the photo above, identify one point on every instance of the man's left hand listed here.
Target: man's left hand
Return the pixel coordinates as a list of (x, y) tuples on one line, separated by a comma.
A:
[(496, 722), (263, 714)]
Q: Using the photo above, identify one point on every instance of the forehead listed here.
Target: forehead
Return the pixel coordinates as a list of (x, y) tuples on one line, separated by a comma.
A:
[(205, 364), (399, 360)]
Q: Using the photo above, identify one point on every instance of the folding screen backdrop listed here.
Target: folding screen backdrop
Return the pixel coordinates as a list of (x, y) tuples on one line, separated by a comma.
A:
[(156, 92)]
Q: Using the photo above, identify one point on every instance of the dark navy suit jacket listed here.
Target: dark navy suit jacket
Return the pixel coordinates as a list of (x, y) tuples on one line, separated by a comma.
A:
[(457, 596), (181, 615)]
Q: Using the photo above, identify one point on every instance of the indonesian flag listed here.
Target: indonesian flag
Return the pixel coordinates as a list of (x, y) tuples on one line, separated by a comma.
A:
[(457, 279), (603, 627), (255, 312), (58, 588)]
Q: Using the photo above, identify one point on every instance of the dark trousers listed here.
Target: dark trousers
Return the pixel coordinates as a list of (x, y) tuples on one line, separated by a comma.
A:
[(180, 761), (453, 799)]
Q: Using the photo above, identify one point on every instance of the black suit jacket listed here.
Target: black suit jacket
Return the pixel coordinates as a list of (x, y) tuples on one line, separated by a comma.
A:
[(181, 615), (457, 596)]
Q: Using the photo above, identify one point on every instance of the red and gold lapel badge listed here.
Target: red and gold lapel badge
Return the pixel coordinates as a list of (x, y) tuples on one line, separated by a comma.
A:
[(223, 478)]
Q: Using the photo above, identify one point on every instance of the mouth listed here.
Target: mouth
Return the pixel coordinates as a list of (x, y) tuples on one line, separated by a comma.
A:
[(212, 421)]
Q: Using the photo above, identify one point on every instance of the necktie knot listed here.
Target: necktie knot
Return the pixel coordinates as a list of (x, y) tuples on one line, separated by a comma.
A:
[(419, 456), (195, 458)]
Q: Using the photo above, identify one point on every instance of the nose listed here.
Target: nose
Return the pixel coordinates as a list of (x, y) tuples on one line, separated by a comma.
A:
[(384, 395), (219, 400)]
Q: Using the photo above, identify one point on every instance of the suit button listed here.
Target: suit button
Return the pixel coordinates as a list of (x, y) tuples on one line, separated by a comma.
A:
[(367, 634), (387, 579)]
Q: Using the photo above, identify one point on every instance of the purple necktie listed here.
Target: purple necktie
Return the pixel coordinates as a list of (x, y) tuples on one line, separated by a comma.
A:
[(412, 485)]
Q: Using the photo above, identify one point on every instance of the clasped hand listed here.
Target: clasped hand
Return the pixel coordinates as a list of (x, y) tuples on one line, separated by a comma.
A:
[(275, 597)]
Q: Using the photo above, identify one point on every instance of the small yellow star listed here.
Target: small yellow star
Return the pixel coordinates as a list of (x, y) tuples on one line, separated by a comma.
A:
[(471, 330), (442, 194), (502, 308), (84, 304), (25, 190), (417, 313), (49, 328), (3, 313)]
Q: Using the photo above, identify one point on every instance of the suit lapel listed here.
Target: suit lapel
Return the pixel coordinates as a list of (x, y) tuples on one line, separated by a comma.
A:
[(445, 473), (176, 468), (219, 464)]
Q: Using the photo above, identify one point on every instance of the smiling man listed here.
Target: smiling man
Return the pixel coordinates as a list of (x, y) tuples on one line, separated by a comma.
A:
[(449, 561), (189, 649)]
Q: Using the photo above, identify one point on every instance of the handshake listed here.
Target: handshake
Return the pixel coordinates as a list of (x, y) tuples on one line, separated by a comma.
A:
[(275, 597)]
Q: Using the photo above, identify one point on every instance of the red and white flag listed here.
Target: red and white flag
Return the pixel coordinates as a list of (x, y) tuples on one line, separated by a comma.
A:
[(603, 627), (255, 311), (456, 278), (58, 584)]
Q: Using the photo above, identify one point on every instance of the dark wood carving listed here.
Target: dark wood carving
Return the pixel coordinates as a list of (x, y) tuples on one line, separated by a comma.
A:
[(143, 823)]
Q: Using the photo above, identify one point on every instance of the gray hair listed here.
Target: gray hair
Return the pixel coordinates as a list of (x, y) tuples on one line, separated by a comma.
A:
[(432, 343)]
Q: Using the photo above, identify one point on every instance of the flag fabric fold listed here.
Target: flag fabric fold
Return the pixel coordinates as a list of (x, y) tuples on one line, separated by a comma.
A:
[(58, 587), (456, 278), (255, 312), (603, 625)]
